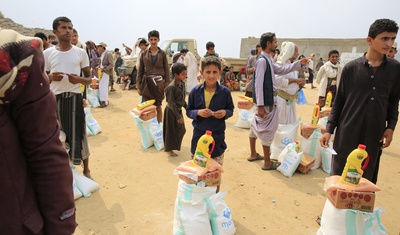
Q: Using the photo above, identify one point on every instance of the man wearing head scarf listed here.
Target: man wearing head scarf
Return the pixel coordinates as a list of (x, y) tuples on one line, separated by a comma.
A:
[(288, 85)]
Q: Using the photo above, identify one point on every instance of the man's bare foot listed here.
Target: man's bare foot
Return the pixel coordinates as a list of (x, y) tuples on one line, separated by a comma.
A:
[(171, 153)]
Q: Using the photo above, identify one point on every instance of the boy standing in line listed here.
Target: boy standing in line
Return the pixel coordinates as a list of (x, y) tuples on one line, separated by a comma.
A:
[(365, 110), (209, 105), (173, 124), (153, 73)]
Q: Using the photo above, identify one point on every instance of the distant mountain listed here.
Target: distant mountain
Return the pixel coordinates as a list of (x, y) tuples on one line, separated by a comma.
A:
[(7, 23)]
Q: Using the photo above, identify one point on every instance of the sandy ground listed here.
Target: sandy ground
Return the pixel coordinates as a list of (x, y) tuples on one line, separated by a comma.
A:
[(261, 202)]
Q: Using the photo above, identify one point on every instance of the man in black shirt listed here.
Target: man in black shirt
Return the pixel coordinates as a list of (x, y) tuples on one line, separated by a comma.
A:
[(365, 110)]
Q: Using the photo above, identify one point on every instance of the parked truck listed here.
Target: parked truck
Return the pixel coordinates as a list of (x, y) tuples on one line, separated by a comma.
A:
[(173, 46)]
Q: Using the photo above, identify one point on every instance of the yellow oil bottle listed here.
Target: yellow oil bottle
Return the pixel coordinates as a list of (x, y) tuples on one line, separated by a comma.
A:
[(354, 169), (328, 101), (99, 73), (145, 104), (315, 115), (202, 154)]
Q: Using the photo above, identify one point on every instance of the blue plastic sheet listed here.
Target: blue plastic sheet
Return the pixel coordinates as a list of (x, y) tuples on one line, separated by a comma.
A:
[(301, 98)]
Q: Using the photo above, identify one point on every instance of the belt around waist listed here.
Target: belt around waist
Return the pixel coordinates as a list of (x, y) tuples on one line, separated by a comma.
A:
[(66, 95), (286, 96)]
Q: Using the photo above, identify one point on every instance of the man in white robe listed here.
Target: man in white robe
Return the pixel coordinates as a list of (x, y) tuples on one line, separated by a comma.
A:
[(288, 85)]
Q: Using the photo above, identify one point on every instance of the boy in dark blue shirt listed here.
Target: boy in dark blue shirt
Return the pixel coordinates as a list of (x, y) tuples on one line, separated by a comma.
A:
[(209, 105)]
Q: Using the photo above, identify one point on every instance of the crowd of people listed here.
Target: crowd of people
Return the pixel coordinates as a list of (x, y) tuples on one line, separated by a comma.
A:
[(366, 94)]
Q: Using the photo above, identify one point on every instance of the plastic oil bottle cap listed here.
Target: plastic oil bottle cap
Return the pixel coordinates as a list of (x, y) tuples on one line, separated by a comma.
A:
[(208, 132), (361, 146)]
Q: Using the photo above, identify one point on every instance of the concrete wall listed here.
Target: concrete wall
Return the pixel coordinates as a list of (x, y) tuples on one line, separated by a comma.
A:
[(319, 46)]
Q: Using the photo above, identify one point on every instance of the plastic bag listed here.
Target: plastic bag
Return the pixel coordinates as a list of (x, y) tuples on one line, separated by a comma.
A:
[(301, 98), (147, 142), (91, 123), (194, 218), (77, 193), (190, 200), (332, 183), (290, 160), (85, 185), (333, 220), (245, 118), (326, 157), (220, 215), (284, 135), (93, 98), (359, 222), (155, 131)]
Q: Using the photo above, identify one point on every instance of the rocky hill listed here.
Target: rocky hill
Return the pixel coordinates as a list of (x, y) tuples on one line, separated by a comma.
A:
[(7, 23)]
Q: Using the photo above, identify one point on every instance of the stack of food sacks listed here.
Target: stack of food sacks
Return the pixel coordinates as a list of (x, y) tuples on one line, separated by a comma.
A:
[(309, 144), (350, 209), (351, 191), (150, 130), (246, 111), (198, 209)]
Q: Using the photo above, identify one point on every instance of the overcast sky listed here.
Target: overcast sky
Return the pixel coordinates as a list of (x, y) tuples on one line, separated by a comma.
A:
[(225, 22)]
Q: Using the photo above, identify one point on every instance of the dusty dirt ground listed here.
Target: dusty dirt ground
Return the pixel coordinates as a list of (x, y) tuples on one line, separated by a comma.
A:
[(261, 202)]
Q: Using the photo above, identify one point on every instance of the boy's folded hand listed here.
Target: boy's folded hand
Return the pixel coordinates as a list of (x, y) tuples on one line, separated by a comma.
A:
[(219, 114), (205, 113)]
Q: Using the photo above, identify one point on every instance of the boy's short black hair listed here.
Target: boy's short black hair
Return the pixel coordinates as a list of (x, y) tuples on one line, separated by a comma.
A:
[(177, 68), (56, 22), (210, 60), (116, 49), (153, 33), (143, 41), (74, 30), (184, 50), (382, 25), (51, 36), (40, 35), (210, 45), (332, 52), (266, 37)]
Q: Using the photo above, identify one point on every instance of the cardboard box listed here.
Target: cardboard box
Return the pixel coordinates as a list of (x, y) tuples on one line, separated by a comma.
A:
[(210, 178), (148, 115), (306, 163), (245, 104), (346, 199), (306, 129)]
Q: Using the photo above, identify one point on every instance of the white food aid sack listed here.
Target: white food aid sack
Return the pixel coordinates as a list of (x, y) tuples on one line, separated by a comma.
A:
[(285, 135), (220, 215), (245, 117), (145, 137), (190, 208), (290, 160)]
